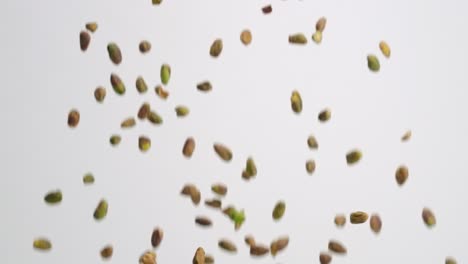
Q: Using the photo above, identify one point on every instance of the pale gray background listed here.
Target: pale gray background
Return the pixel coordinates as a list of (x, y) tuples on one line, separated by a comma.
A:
[(421, 87)]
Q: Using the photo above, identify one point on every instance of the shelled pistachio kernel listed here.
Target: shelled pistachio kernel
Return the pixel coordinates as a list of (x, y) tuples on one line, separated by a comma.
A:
[(163, 94), (246, 37), (189, 147), (373, 63), (324, 115), (336, 247), (140, 84), (297, 38), (115, 55), (101, 210), (144, 143), (144, 46), (375, 223), (107, 252), (88, 178), (296, 102), (53, 197), (100, 94), (358, 217), (401, 174), (353, 156), (182, 111), (321, 23), (310, 166), (317, 37), (428, 217), (115, 140), (312, 142), (199, 257), (340, 220), (117, 84), (216, 48), (73, 118), (144, 111), (223, 151), (157, 237), (278, 245), (279, 210), (385, 48), (227, 245), (165, 73), (42, 244), (85, 39), (91, 26)]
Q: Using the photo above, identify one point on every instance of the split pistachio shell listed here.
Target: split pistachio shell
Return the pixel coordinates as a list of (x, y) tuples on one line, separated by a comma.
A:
[(100, 94), (163, 94), (401, 174), (214, 203), (141, 85), (115, 140), (279, 210), (157, 237), (358, 217), (223, 152), (325, 258), (385, 48), (227, 245), (320, 25), (144, 46), (107, 252), (73, 118), (428, 217), (165, 74), (203, 221), (246, 37), (216, 48), (204, 86), (144, 143), (375, 223), (144, 111), (219, 189), (312, 142), (324, 115), (278, 245), (373, 63), (450, 260), (117, 84), (336, 247), (353, 156), (101, 210), (42, 244), (91, 26), (317, 37), (155, 118), (128, 122), (296, 102), (85, 39), (182, 111), (189, 147), (115, 55), (297, 38), (406, 136), (149, 257), (88, 178), (199, 257), (53, 197), (259, 250), (340, 220), (310, 166)]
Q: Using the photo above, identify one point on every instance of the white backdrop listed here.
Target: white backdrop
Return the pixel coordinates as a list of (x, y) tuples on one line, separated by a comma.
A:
[(422, 87)]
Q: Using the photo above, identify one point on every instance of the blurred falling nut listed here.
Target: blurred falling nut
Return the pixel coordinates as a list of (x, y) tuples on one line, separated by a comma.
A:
[(141, 85), (204, 86), (320, 25), (192, 191), (406, 136), (401, 174), (144, 111), (310, 166), (325, 258), (115, 55), (53, 197), (115, 140), (128, 122), (375, 223), (209, 259), (324, 115), (385, 48), (117, 84), (249, 240), (297, 38), (156, 2), (88, 178), (296, 102), (163, 94), (216, 48), (259, 250), (101, 210), (189, 147), (267, 9), (219, 189), (199, 257), (450, 260), (144, 143), (340, 220), (312, 142), (157, 237), (155, 118), (428, 217), (251, 168), (278, 245), (106, 252), (246, 37), (100, 94), (353, 156), (317, 37), (213, 203), (336, 247), (85, 39), (182, 111), (73, 118), (203, 221), (91, 26), (165, 73), (279, 210), (358, 217), (42, 244), (373, 63), (149, 257), (144, 46), (223, 152), (227, 245)]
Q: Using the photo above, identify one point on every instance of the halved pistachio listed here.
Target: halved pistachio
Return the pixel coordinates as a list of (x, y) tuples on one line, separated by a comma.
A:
[(165, 73), (204, 86), (279, 210), (336, 247), (296, 102), (325, 258), (144, 46), (107, 252), (223, 152), (401, 174), (353, 156), (155, 118), (216, 48), (91, 26), (101, 210), (141, 85), (278, 245), (214, 203), (358, 217), (182, 111), (115, 55), (385, 48), (259, 250), (88, 178), (219, 189), (189, 147), (42, 244), (227, 245), (144, 111), (144, 143), (100, 94), (373, 63), (324, 115), (199, 257), (310, 166), (375, 223), (117, 84), (73, 118), (85, 39), (157, 237), (428, 217), (128, 122), (297, 38), (312, 142), (321, 23), (317, 37), (53, 197), (149, 257), (163, 94), (246, 37), (115, 140), (203, 221), (340, 220)]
